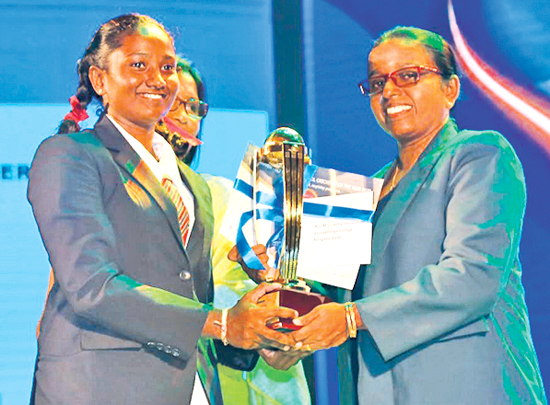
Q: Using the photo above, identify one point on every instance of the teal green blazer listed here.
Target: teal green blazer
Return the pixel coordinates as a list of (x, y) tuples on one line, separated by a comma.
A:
[(442, 300)]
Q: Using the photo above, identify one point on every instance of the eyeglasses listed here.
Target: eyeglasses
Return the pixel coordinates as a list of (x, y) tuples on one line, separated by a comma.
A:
[(196, 109), (404, 77)]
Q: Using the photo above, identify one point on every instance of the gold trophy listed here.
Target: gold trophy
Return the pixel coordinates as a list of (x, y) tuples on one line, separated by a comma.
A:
[(285, 153)]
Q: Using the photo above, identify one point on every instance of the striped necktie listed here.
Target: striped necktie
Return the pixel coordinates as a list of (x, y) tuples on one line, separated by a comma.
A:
[(183, 214)]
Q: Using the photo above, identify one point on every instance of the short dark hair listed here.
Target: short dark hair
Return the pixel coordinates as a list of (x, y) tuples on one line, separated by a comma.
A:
[(187, 66), (441, 52)]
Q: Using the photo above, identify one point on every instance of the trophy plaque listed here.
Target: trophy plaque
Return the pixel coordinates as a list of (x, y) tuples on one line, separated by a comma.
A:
[(284, 151)]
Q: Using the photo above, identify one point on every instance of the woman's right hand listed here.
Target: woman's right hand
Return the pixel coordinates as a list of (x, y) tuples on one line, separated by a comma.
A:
[(247, 322), (315, 335)]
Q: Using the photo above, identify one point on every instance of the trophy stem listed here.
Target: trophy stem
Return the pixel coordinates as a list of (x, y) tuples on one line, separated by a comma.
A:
[(293, 174), (285, 151)]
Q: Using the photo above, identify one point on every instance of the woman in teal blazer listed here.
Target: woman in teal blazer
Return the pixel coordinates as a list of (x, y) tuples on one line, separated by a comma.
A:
[(440, 311)]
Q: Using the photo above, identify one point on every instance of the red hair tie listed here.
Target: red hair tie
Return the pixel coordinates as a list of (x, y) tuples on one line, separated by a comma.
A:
[(78, 113)]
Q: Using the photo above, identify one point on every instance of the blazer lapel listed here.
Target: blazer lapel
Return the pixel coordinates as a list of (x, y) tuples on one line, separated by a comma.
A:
[(406, 191), (130, 162)]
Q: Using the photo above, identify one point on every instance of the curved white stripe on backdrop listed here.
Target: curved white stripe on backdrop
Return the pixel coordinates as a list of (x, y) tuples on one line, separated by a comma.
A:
[(509, 97)]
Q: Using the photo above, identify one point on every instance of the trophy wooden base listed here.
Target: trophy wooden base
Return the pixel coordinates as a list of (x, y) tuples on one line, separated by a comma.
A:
[(300, 300)]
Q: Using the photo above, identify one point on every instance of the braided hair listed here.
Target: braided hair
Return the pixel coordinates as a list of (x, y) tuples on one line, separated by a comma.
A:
[(107, 39)]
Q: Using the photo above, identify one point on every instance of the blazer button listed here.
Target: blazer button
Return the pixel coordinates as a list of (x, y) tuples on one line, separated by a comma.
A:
[(185, 275)]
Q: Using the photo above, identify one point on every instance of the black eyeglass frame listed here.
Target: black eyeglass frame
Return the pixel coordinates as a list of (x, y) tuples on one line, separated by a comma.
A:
[(188, 105), (421, 70)]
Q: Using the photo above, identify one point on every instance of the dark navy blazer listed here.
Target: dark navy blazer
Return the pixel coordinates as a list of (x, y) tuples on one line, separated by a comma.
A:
[(123, 318)]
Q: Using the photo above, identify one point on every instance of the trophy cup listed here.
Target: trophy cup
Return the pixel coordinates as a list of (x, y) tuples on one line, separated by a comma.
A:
[(285, 154)]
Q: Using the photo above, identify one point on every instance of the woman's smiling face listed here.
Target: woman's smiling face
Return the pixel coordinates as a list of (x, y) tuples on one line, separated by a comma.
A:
[(415, 112), (140, 82)]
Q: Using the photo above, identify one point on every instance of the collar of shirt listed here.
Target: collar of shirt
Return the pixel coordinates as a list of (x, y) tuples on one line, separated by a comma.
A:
[(166, 165)]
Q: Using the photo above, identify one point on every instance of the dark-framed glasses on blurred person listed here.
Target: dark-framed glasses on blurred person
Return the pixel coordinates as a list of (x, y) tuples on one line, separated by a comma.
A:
[(195, 108), (404, 77)]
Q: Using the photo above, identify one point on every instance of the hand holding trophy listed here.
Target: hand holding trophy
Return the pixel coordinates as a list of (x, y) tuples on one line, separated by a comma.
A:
[(284, 157), (291, 221)]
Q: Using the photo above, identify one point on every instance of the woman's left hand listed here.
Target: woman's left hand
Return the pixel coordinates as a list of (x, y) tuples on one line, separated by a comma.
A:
[(325, 326), (247, 322)]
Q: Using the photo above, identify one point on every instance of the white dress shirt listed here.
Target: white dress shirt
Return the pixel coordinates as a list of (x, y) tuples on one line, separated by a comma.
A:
[(166, 165)]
